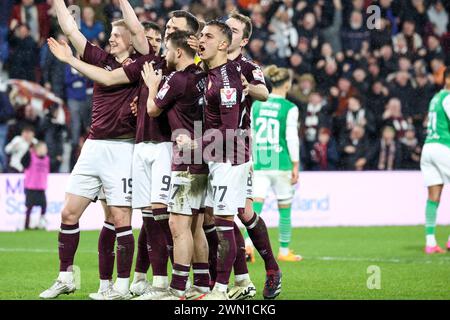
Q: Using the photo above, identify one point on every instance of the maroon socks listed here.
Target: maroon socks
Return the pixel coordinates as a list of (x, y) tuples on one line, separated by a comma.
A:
[(257, 231), (226, 253), (240, 265), (68, 238), (106, 254), (125, 251), (213, 242)]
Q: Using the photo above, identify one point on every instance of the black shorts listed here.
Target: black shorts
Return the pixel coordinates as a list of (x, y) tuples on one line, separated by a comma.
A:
[(35, 198)]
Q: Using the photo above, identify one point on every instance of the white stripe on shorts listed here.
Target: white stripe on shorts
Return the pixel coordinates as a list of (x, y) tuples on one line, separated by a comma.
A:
[(125, 233), (69, 231)]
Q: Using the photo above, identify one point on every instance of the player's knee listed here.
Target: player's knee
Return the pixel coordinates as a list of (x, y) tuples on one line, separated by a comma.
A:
[(69, 216), (284, 204)]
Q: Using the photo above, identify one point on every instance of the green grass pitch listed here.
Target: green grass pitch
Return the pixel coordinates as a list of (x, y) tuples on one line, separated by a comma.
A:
[(335, 266)]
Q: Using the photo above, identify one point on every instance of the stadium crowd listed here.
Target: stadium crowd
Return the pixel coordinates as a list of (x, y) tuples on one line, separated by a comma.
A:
[(362, 92)]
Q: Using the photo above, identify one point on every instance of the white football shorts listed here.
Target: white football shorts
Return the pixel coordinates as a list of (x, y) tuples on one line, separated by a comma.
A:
[(104, 163), (435, 164)]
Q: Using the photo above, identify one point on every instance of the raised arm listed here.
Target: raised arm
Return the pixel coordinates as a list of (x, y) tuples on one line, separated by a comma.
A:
[(69, 26), (63, 53), (138, 38)]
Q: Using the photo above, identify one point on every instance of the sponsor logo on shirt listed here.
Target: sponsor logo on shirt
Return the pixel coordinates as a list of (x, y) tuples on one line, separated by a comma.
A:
[(228, 96), (163, 91), (258, 75)]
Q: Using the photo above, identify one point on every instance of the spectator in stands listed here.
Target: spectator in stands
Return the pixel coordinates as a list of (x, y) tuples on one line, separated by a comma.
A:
[(356, 34), (324, 155), (92, 29), (387, 153), (354, 150), (438, 17), (408, 41), (53, 70), (331, 34), (356, 115), (22, 61), (401, 88), (35, 16), (315, 115), (341, 94), (393, 117), (53, 127), (6, 113), (17, 148), (76, 101), (112, 11), (411, 150)]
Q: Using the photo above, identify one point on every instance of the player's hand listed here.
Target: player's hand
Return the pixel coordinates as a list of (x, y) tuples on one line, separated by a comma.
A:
[(134, 106), (193, 42), (245, 85), (185, 142), (151, 77), (60, 50)]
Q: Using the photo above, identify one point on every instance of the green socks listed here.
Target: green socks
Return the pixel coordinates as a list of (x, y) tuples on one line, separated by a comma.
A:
[(430, 214), (285, 227)]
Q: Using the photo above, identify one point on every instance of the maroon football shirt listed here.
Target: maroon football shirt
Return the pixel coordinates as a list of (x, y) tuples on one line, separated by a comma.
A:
[(181, 96), (254, 75), (111, 113), (224, 111), (148, 128)]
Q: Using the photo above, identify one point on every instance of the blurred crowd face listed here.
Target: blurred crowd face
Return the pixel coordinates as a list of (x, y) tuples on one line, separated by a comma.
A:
[(41, 149), (356, 20), (27, 135), (326, 50), (88, 14), (388, 134), (344, 85), (357, 133), (385, 3), (120, 40), (402, 78), (315, 99), (238, 40), (386, 52), (359, 75), (323, 137), (395, 107), (309, 21), (404, 64), (358, 5), (23, 31), (295, 60), (408, 28), (353, 104), (433, 43), (330, 67)]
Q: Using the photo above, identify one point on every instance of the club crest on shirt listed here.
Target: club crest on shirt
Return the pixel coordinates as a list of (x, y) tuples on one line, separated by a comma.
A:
[(163, 91), (258, 75), (228, 96)]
